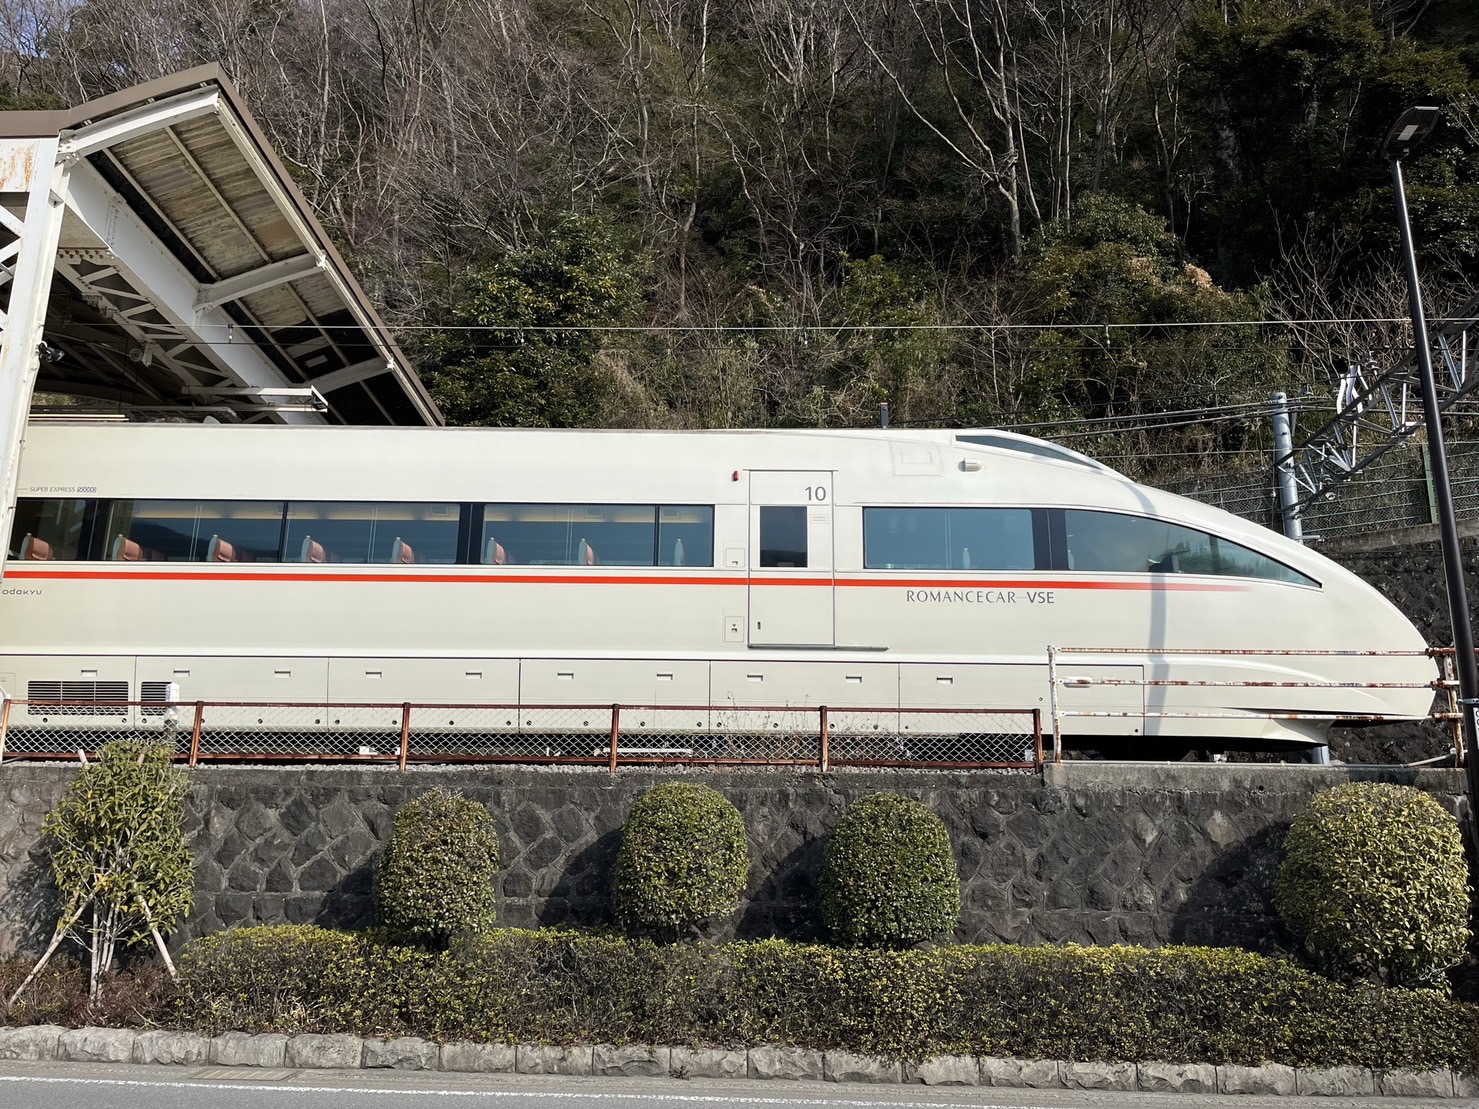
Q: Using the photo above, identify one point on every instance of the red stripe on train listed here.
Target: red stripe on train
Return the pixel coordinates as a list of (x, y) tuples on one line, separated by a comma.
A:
[(214, 574)]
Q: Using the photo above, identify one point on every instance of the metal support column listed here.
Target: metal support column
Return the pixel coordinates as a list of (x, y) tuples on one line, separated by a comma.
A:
[(45, 180), (1284, 469)]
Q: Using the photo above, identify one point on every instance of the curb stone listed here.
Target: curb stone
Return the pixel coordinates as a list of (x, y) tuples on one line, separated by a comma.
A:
[(708, 1062), (1271, 1078), (238, 1049), (945, 1070), (1034, 1074), (1335, 1081), (1099, 1076), (543, 1059), (632, 1061), (847, 1066), (481, 1058), (1415, 1083), (49, 1042), (402, 1053), (782, 1061), (172, 1048), (1177, 1078), (97, 1045), (33, 1043)]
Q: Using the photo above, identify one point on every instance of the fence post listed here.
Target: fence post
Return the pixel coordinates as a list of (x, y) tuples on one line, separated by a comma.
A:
[(1450, 687), (615, 731), (1053, 702), (4, 726), (822, 714), (405, 733), (1037, 736), (195, 734)]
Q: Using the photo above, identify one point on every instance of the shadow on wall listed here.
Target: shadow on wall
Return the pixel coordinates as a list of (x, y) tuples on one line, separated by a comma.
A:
[(30, 904), (1231, 904), (583, 893), (350, 904), (784, 904)]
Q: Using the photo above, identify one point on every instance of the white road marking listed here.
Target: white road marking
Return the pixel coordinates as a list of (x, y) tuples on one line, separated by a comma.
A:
[(568, 1095)]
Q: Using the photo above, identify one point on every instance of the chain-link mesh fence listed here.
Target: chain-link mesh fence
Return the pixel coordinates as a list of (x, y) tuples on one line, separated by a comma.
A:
[(611, 735), (1393, 492)]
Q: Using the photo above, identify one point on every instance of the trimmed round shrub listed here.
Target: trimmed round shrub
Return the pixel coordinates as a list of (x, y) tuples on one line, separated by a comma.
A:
[(888, 877), (1374, 884), (436, 876), (684, 859)]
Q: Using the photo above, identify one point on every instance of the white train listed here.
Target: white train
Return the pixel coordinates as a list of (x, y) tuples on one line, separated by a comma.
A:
[(879, 568)]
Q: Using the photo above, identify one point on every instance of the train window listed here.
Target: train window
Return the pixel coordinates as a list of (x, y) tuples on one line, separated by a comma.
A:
[(47, 528), (783, 536), (685, 535), (949, 539), (193, 531), (353, 531), (570, 534), (1107, 541)]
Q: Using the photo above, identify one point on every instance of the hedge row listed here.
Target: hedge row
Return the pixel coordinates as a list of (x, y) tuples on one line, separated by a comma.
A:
[(1115, 1003)]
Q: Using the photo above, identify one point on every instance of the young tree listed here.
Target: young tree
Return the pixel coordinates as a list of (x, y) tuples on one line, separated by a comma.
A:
[(120, 856)]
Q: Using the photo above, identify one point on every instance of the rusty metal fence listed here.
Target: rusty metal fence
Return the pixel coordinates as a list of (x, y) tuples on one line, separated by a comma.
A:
[(591, 735), (1445, 684)]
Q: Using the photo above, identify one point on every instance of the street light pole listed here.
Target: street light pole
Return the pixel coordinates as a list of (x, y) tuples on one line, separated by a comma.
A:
[(1411, 128)]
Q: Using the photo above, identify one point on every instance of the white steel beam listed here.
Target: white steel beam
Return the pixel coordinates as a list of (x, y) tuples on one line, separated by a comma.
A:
[(91, 137), (254, 281), (153, 271), (30, 286), (349, 375)]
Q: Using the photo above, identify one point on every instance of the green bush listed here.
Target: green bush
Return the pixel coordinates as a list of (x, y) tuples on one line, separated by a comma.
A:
[(683, 859), (1374, 884), (436, 879), (564, 987), (888, 877)]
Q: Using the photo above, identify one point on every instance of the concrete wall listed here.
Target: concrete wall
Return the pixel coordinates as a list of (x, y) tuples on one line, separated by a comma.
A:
[(1089, 852)]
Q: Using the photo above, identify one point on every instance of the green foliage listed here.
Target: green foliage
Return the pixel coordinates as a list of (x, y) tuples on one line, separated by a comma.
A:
[(888, 877), (1114, 264), (1374, 884), (684, 859), (436, 876), (523, 333), (562, 987), (1290, 107), (296, 978), (119, 854)]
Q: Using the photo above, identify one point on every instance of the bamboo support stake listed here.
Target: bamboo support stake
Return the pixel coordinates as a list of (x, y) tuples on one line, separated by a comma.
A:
[(405, 733), (822, 715), (615, 732)]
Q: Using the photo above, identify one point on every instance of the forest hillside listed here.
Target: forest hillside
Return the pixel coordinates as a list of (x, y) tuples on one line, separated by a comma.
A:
[(1122, 223)]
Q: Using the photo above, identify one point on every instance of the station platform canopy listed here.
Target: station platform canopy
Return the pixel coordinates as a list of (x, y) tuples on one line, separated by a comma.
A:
[(157, 261)]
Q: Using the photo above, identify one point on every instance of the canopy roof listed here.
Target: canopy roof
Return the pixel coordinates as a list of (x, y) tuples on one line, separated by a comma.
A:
[(191, 277)]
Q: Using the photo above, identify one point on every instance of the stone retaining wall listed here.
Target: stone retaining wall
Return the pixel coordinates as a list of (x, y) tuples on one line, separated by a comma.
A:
[(1088, 852), (40, 1043)]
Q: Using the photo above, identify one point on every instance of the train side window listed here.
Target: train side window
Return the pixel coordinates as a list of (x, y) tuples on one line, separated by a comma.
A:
[(950, 539), (47, 529), (377, 532), (1114, 543), (570, 534), (194, 531), (685, 535), (783, 536)]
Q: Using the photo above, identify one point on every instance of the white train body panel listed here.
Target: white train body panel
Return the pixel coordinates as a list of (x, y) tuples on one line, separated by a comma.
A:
[(741, 626)]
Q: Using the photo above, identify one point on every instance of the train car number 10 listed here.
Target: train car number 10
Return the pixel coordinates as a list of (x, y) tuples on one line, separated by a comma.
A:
[(816, 493)]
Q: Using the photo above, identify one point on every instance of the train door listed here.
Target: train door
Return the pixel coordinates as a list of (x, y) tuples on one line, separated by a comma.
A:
[(791, 582)]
